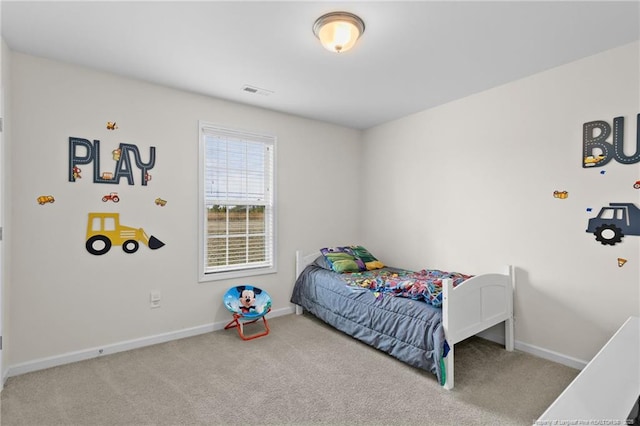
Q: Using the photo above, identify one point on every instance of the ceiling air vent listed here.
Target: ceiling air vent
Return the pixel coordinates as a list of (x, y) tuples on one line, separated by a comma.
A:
[(256, 90)]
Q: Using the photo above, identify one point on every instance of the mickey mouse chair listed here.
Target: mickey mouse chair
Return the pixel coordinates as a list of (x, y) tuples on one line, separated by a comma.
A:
[(247, 304)]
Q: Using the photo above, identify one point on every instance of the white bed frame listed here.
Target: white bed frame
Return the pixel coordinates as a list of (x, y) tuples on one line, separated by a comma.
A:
[(471, 307)]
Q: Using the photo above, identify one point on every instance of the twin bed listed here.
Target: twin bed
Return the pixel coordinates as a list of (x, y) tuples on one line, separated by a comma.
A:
[(419, 333)]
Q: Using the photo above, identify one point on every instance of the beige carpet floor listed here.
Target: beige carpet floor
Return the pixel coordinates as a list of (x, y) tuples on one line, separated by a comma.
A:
[(304, 372)]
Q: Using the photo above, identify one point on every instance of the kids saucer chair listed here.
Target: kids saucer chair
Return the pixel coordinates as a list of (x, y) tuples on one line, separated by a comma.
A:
[(247, 304)]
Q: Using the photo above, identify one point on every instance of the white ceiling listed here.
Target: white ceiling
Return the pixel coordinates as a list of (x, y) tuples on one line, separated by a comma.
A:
[(413, 55)]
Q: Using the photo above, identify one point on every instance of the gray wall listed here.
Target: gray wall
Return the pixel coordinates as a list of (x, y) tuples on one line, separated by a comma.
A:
[(5, 194)]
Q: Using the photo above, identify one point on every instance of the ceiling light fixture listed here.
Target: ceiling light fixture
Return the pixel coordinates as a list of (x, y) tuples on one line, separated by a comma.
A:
[(338, 31)]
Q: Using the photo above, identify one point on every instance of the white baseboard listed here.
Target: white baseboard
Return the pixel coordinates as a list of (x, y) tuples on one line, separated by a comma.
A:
[(41, 364), (537, 351)]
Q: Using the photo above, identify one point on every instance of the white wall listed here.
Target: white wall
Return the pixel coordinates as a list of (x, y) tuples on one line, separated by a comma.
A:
[(64, 299), (468, 186)]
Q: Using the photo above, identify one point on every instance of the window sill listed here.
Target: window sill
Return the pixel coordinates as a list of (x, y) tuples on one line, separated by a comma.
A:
[(217, 276)]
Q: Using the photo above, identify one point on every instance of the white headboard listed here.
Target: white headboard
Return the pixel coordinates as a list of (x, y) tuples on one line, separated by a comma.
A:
[(302, 260)]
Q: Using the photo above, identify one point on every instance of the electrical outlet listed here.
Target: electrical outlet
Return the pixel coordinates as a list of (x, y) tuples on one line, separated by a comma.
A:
[(154, 299)]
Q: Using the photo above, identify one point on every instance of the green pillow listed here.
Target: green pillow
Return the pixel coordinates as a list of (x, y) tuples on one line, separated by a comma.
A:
[(369, 260)]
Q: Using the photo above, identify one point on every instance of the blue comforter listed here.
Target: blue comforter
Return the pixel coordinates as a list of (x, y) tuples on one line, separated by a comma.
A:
[(410, 330)]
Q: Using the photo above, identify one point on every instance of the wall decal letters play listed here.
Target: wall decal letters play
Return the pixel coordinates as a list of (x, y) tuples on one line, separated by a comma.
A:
[(596, 151), (82, 151)]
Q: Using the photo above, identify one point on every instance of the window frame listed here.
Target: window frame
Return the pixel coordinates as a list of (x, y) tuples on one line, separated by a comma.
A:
[(238, 272)]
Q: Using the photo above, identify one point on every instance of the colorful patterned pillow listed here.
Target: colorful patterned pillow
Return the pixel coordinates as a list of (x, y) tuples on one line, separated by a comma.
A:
[(369, 260), (342, 259)]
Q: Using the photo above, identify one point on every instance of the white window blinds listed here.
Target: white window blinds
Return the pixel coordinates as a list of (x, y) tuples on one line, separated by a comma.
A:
[(238, 217)]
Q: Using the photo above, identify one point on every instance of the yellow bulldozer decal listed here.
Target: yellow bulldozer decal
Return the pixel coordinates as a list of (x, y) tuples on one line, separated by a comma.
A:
[(104, 230)]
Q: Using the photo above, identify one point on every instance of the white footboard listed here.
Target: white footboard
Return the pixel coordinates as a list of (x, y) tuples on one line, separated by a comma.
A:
[(475, 305)]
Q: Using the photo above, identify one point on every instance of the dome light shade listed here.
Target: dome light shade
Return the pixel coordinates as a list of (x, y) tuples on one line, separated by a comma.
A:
[(338, 31)]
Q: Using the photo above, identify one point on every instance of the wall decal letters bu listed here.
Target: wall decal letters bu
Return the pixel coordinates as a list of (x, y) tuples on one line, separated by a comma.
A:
[(596, 151), (82, 151), (104, 230), (614, 222)]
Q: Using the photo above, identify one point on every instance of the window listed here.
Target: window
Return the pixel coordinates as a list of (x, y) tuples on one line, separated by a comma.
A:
[(237, 215), (608, 213)]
